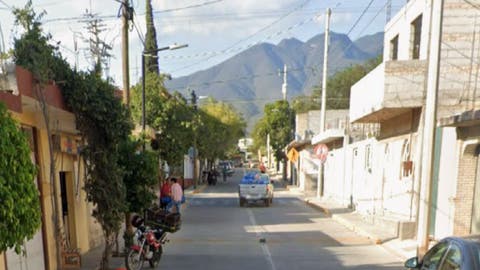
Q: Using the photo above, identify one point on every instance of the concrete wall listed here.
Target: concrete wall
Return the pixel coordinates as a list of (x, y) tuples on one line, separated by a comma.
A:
[(459, 59), (402, 124), (400, 25), (367, 95), (444, 206)]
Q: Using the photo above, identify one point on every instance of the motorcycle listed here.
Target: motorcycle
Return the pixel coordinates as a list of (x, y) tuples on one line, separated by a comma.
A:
[(147, 245)]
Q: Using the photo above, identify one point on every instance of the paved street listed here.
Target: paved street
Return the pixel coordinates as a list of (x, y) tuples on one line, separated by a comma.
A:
[(218, 234)]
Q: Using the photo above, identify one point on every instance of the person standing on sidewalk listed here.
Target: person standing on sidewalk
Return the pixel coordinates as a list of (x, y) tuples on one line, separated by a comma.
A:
[(177, 195), (165, 194)]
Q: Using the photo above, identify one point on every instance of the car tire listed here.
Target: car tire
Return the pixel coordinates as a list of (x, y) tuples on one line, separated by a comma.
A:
[(243, 202)]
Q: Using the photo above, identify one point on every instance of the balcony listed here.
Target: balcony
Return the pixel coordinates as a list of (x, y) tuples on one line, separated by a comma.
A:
[(391, 89)]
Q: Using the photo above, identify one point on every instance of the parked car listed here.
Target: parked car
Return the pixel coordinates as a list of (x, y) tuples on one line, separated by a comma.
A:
[(451, 253)]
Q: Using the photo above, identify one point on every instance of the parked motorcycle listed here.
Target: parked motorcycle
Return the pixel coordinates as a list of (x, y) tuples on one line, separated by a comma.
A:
[(147, 245)]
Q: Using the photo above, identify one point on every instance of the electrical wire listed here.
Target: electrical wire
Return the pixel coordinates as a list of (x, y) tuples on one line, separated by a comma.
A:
[(188, 7), (359, 18), (6, 5), (248, 37), (238, 49), (312, 68), (472, 4)]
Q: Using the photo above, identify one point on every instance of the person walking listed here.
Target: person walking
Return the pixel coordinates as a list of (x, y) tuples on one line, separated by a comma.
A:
[(177, 195), (165, 194)]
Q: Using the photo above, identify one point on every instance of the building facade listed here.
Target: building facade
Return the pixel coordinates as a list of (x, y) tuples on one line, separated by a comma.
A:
[(62, 198)]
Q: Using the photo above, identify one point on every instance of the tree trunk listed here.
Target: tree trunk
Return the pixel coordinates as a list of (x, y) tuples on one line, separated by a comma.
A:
[(107, 252)]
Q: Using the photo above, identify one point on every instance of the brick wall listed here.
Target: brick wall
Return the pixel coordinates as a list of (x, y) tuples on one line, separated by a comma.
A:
[(465, 191)]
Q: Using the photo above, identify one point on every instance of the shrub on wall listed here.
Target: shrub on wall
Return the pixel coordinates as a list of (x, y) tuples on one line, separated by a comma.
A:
[(19, 197)]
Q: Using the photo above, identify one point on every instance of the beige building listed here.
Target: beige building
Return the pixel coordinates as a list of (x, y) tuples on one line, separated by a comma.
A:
[(65, 196)]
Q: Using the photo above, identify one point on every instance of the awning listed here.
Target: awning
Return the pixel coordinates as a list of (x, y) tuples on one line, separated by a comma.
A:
[(299, 145), (465, 119), (329, 135)]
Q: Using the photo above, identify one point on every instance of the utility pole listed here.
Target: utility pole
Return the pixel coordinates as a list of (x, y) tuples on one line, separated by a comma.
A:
[(126, 16), (268, 150), (436, 14), (324, 96), (325, 66), (284, 85), (194, 104)]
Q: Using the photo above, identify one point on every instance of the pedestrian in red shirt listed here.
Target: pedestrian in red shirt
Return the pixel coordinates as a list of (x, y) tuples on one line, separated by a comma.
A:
[(165, 193)]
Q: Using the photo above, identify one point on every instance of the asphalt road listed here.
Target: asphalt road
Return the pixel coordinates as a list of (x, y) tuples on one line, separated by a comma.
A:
[(219, 234)]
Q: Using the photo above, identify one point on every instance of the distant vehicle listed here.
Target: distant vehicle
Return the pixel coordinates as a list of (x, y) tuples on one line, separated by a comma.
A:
[(451, 253), (255, 186), (227, 167)]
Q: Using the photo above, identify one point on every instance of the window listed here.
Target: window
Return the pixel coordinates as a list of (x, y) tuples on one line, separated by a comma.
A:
[(368, 158), (416, 30), (394, 48), (453, 259), (434, 256)]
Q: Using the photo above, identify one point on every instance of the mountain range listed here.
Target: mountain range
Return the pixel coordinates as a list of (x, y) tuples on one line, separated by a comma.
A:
[(254, 77)]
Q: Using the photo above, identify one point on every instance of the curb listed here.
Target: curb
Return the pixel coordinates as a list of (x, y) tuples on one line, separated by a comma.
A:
[(318, 207), (376, 240)]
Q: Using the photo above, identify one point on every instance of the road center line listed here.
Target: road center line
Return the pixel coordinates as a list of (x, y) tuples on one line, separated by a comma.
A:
[(259, 232)]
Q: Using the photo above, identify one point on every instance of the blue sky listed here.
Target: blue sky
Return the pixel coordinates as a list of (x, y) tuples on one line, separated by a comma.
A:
[(215, 30)]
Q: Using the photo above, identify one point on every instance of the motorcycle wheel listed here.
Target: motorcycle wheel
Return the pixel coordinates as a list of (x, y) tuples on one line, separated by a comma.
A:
[(156, 258), (134, 260)]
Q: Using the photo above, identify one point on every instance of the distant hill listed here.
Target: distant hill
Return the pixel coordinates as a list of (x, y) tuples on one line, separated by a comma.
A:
[(252, 78)]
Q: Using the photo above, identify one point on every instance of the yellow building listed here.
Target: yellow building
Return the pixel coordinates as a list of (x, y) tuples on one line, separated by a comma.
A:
[(61, 192)]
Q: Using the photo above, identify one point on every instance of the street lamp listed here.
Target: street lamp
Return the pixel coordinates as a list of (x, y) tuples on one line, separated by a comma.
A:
[(149, 53)]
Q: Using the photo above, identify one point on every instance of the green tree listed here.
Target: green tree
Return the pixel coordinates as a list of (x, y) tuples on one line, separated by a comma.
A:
[(104, 123), (169, 115), (140, 177), (141, 174), (279, 122), (151, 63), (20, 205), (221, 128)]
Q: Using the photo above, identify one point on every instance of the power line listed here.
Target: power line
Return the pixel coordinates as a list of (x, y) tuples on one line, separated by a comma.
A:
[(188, 7), (472, 4), (248, 37), (312, 68), (227, 51), (6, 5), (360, 17)]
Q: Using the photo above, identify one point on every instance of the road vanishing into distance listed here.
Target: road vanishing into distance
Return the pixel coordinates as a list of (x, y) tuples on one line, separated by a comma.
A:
[(218, 234)]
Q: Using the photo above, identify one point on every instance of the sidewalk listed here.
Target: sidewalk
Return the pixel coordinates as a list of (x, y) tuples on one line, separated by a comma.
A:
[(354, 221), (91, 259)]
